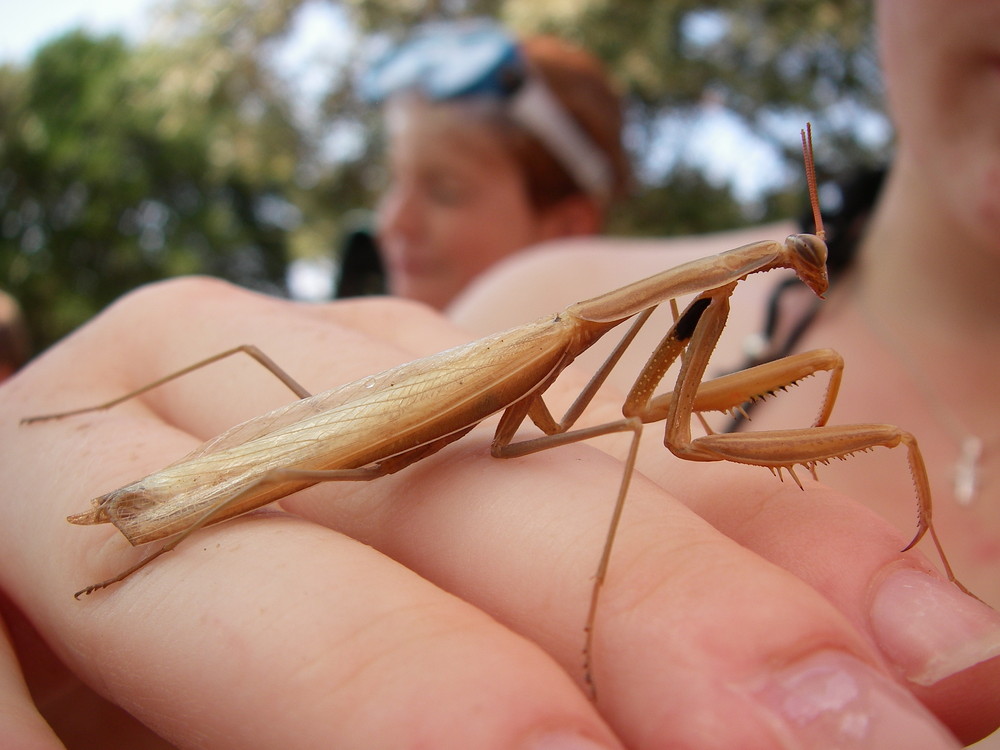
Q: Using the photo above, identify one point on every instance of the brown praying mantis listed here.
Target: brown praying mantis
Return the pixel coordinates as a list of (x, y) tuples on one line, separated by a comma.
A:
[(343, 434)]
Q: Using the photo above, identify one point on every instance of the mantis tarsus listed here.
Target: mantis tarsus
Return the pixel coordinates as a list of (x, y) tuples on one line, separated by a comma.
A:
[(341, 434)]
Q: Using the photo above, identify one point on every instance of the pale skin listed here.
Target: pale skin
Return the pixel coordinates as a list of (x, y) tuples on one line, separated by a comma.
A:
[(470, 598), (457, 203)]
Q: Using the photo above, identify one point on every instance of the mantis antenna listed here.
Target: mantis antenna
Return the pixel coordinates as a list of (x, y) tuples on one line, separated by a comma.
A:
[(810, 163)]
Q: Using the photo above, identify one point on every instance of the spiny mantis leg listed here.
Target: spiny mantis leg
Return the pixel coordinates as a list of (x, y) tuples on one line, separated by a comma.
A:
[(775, 449), (269, 364), (719, 394)]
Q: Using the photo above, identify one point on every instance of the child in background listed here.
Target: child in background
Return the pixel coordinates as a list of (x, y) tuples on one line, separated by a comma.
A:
[(494, 146)]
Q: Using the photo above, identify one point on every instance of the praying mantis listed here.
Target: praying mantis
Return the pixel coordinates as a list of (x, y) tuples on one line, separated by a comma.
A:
[(343, 434)]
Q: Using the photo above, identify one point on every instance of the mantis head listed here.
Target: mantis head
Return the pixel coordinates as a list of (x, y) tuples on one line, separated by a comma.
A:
[(807, 257)]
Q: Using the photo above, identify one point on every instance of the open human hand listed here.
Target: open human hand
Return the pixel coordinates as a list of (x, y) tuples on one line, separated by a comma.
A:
[(442, 606)]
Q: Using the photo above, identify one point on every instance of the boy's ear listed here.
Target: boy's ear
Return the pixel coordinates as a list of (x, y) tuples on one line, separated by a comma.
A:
[(574, 216)]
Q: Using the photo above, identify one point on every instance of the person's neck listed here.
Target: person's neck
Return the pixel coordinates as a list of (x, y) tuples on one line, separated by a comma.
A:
[(928, 295), (918, 271)]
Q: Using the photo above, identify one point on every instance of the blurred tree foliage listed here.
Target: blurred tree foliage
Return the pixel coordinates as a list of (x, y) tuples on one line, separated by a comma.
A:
[(108, 181), (191, 153)]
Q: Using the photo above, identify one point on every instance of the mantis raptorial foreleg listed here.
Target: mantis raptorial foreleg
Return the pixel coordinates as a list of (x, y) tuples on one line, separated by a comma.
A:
[(692, 339), (774, 449)]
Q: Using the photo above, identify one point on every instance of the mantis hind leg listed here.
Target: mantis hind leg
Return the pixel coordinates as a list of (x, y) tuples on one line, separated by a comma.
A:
[(249, 349), (504, 448)]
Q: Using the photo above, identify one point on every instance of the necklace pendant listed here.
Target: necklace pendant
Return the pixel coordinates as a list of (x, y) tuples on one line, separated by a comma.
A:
[(966, 474)]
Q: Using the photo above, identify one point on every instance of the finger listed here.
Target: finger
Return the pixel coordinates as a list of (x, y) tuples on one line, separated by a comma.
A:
[(21, 725), (71, 708), (943, 643), (274, 630)]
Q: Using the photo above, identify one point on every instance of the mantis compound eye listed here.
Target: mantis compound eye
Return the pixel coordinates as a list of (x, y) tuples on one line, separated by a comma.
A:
[(810, 248)]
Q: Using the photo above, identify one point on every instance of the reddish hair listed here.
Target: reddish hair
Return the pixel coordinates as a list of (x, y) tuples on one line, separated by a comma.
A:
[(582, 85)]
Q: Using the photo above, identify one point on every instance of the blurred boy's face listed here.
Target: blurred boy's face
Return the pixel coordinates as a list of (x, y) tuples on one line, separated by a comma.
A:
[(455, 205)]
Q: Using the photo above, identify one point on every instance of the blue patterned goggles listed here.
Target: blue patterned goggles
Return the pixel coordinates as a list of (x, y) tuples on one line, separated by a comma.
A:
[(479, 59)]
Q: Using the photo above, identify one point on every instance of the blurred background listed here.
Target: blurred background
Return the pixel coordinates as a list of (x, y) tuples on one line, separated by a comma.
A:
[(143, 139)]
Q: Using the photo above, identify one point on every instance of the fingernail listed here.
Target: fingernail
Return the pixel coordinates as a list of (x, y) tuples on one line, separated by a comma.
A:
[(833, 700), (930, 629), (560, 740)]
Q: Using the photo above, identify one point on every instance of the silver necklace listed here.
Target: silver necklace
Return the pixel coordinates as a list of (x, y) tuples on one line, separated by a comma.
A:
[(965, 472)]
